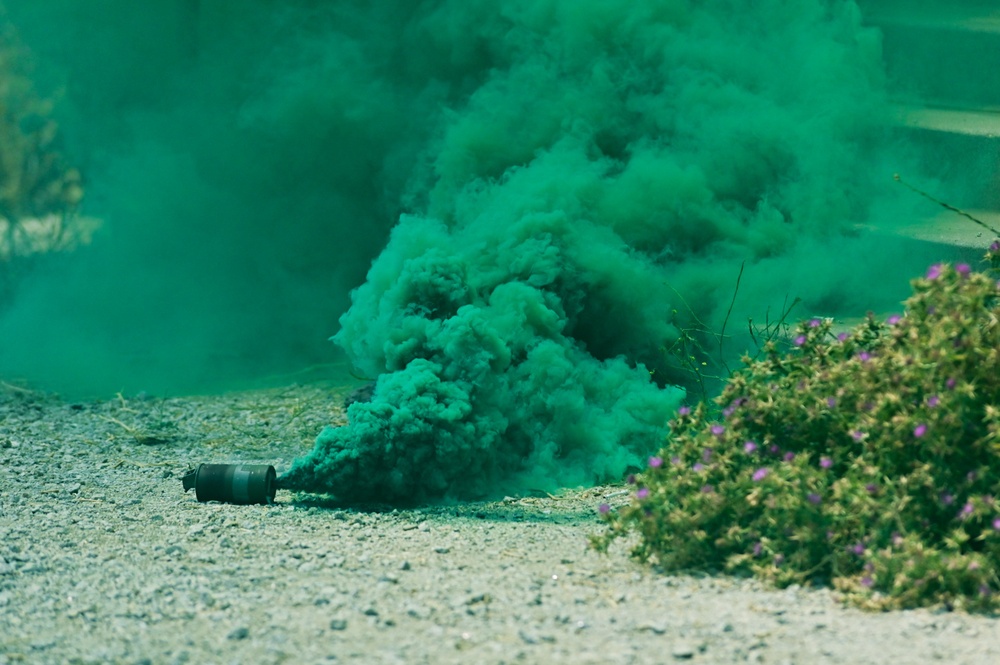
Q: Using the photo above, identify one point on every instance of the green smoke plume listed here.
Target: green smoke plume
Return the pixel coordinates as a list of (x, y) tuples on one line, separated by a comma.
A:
[(571, 188), (586, 203)]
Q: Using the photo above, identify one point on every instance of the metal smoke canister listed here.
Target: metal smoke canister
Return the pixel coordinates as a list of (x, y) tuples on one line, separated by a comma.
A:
[(242, 484)]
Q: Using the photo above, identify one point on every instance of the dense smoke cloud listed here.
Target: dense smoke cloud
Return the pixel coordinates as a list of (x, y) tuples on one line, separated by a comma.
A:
[(571, 187), (589, 202)]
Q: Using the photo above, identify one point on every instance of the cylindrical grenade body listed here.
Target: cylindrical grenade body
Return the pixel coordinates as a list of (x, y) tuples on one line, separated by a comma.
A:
[(235, 483)]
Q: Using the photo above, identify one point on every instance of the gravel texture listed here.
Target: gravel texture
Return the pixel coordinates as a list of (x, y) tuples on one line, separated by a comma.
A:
[(104, 559)]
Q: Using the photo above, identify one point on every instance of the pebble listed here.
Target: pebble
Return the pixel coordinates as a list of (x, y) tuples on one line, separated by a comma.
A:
[(240, 633), (682, 651)]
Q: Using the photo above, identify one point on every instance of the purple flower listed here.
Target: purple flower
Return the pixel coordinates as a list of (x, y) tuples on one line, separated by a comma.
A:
[(698, 467), (675, 460), (963, 269), (684, 411), (735, 404), (758, 548), (630, 479), (893, 320), (950, 383), (831, 402), (760, 474), (800, 340), (642, 493), (996, 523), (871, 488), (604, 509), (864, 356), (749, 447), (842, 337), (934, 271), (857, 435), (655, 462), (814, 498), (857, 548), (933, 401), (825, 462), (706, 454), (867, 582), (718, 430), (789, 456), (995, 247), (774, 449), (947, 499), (707, 489), (920, 430), (814, 323), (966, 511)]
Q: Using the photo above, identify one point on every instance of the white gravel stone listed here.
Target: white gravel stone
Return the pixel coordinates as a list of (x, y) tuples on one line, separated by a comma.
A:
[(103, 559)]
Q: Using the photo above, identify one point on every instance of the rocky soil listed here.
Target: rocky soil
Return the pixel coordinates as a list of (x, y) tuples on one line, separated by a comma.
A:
[(104, 559)]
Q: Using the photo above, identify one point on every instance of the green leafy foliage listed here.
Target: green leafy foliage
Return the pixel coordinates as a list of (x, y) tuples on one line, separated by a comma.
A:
[(39, 191), (868, 460), (35, 179)]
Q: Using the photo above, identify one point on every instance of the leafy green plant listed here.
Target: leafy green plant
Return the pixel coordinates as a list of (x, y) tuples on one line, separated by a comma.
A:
[(868, 460)]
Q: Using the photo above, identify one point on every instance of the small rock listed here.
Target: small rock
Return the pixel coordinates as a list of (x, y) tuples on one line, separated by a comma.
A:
[(43, 643), (405, 565), (338, 624), (654, 627), (442, 550), (418, 611), (682, 651), (240, 633), (527, 637)]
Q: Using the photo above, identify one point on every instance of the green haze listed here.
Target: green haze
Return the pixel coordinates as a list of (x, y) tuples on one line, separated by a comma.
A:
[(547, 195)]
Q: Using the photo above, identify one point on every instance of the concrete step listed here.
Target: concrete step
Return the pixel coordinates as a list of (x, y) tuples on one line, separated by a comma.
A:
[(957, 152), (982, 122), (959, 238), (938, 51)]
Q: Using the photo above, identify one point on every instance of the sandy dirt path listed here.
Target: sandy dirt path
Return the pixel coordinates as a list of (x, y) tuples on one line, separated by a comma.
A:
[(104, 559)]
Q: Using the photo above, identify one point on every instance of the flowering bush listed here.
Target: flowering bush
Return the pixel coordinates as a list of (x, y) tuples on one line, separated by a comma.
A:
[(868, 460)]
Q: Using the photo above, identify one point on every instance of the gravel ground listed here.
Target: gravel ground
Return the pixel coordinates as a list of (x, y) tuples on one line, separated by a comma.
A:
[(103, 559)]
